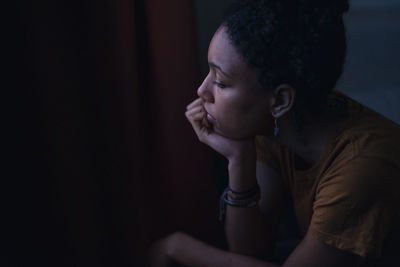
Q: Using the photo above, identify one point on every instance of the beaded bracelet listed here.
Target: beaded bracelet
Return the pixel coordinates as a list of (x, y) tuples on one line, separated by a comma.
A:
[(242, 200), (246, 193)]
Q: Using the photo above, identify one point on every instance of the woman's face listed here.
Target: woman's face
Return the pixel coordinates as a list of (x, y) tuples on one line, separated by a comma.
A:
[(237, 105)]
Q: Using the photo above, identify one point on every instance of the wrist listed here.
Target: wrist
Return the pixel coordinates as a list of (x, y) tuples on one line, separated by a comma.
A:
[(244, 163), (244, 152), (242, 174)]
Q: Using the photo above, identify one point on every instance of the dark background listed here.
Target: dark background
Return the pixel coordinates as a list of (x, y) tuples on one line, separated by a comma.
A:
[(99, 159)]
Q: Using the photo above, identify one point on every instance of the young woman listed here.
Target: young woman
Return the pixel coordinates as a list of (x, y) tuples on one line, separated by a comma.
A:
[(269, 106)]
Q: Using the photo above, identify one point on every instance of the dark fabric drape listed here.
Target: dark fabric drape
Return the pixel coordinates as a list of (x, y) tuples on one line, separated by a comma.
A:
[(103, 160)]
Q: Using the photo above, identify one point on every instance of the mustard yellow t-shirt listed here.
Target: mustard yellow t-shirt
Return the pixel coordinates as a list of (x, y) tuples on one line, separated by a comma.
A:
[(350, 198)]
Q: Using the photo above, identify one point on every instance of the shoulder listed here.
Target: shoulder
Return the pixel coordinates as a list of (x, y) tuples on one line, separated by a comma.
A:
[(371, 171), (366, 135), (356, 205)]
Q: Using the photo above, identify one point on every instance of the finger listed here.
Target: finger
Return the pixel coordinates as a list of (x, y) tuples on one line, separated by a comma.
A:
[(201, 128), (198, 117), (205, 120), (196, 120), (194, 110), (196, 102), (211, 139)]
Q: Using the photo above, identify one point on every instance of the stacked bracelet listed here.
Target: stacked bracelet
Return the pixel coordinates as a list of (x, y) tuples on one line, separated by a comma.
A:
[(233, 198)]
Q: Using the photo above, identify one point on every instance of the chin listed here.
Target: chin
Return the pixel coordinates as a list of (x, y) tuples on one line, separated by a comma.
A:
[(235, 135)]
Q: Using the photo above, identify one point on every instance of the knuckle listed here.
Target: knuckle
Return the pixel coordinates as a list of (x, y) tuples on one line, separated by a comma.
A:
[(201, 138)]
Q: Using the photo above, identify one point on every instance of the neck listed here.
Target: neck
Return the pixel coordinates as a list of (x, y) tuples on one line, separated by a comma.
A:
[(309, 143)]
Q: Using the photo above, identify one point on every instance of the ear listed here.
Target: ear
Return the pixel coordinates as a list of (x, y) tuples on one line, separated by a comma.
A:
[(282, 100)]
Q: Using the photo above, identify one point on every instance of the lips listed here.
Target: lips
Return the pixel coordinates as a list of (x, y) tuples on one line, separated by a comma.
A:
[(210, 118)]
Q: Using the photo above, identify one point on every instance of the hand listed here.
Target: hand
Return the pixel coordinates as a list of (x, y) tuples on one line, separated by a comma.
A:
[(160, 253), (231, 149)]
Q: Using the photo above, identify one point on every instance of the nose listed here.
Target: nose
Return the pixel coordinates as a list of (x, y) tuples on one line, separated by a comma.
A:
[(205, 92)]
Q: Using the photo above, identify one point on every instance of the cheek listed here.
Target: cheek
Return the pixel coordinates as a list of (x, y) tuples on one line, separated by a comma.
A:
[(235, 104), (245, 111), (238, 117), (230, 109)]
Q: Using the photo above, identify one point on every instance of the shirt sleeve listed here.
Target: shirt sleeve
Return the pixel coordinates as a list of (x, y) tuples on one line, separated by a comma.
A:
[(356, 205)]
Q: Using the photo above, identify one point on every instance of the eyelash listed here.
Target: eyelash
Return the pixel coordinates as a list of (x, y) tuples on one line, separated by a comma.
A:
[(220, 85)]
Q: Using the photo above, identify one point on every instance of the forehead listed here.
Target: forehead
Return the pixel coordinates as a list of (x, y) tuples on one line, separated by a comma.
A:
[(223, 54)]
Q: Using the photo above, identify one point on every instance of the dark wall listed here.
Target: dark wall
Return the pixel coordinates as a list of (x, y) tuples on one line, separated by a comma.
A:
[(100, 159), (209, 15), (373, 63)]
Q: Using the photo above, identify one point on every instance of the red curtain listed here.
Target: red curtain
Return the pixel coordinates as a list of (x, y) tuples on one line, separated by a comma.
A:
[(104, 161)]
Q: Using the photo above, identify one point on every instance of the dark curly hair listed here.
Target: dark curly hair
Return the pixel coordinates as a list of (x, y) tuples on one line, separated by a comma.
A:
[(297, 42)]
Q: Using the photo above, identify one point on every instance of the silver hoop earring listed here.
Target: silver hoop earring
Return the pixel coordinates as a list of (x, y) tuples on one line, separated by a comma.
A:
[(276, 128)]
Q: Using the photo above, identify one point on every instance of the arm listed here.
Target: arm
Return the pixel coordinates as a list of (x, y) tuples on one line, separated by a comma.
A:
[(314, 253), (251, 231), (247, 229), (192, 252), (189, 251)]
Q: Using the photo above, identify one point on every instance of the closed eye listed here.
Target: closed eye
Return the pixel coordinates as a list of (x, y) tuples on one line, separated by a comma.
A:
[(219, 84)]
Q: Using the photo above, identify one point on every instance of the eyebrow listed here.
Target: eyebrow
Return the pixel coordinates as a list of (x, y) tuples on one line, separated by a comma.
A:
[(219, 68)]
